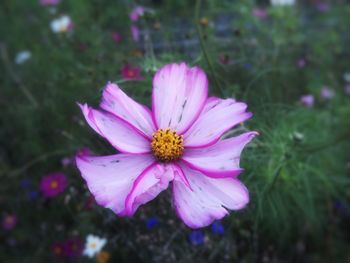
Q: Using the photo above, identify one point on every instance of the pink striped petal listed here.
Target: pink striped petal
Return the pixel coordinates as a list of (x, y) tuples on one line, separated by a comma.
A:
[(217, 117), (122, 135), (179, 93), (110, 178), (117, 102), (220, 159), (152, 181), (209, 198)]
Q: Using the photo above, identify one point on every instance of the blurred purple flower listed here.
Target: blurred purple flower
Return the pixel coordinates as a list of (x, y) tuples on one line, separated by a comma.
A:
[(136, 13), (26, 183), (217, 228), (117, 38), (327, 93), (152, 222), (66, 161), (73, 247), (135, 32), (248, 66), (49, 2), (323, 7), (53, 184), (32, 195), (131, 73), (196, 237), (301, 63), (259, 13), (9, 221), (347, 89), (307, 100)]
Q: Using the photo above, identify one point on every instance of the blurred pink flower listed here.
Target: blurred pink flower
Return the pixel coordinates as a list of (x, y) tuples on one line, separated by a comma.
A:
[(179, 142), (9, 221), (131, 73), (53, 184), (49, 2), (259, 13), (347, 89), (307, 100), (327, 93), (69, 248), (117, 38), (136, 13), (135, 32)]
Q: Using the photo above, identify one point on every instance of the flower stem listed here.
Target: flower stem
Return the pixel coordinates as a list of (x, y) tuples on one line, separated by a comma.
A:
[(204, 50)]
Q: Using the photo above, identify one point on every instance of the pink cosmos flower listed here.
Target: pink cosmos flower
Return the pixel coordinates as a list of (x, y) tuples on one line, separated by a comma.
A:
[(116, 37), (307, 100), (259, 13), (135, 32), (327, 93), (136, 13), (9, 221), (178, 142), (53, 184), (49, 2), (131, 73)]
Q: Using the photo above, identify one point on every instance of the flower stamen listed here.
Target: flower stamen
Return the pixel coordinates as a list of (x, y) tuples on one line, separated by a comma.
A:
[(167, 145)]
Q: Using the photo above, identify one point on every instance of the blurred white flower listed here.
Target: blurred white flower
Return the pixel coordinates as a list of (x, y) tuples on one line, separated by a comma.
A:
[(347, 76), (282, 2), (61, 24), (23, 56), (93, 245)]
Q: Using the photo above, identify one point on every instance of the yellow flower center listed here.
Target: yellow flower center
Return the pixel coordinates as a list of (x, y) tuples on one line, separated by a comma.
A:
[(53, 185), (167, 145)]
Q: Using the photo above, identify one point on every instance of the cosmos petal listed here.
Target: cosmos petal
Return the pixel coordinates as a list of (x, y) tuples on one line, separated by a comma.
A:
[(208, 199), (122, 135), (179, 94), (117, 102), (111, 178), (217, 117), (220, 159)]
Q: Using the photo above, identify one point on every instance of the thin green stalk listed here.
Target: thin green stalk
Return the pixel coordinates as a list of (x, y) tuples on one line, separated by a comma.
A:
[(204, 50)]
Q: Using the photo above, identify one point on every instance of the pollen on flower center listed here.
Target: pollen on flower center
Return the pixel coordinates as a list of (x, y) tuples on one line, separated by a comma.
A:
[(167, 145)]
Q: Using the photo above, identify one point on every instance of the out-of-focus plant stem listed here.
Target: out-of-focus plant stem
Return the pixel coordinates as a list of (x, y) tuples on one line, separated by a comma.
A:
[(15, 78), (204, 50)]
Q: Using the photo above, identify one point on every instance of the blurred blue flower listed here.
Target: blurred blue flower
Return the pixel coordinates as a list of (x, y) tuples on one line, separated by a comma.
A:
[(152, 222), (248, 66), (32, 195), (196, 237), (26, 183), (217, 228)]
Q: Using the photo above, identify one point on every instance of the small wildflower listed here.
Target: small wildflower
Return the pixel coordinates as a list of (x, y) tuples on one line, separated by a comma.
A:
[(347, 89), (136, 13), (131, 73), (135, 33), (23, 56), (152, 222), (66, 161), (72, 247), (327, 93), (57, 249), (53, 184), (259, 13), (217, 228), (93, 245), (323, 7), (204, 21), (49, 2), (116, 37), (224, 59), (196, 237), (307, 100), (9, 221), (62, 24), (301, 63)]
